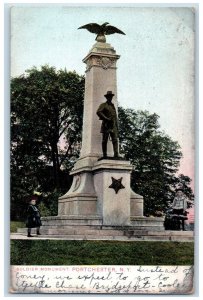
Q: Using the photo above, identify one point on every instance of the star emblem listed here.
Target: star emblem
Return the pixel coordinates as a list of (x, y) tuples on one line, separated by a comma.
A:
[(116, 184)]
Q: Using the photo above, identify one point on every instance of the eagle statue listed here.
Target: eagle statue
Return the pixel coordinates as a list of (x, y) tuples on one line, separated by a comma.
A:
[(101, 30)]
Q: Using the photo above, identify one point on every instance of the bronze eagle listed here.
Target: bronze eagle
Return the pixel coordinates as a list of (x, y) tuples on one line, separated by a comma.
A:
[(101, 30)]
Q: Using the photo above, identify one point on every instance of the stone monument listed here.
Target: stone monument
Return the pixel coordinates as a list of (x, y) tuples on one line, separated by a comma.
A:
[(90, 193), (100, 191)]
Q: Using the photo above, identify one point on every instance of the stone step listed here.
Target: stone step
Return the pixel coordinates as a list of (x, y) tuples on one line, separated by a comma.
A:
[(99, 233), (73, 231), (72, 220), (105, 238), (160, 233), (146, 223), (87, 230), (102, 227)]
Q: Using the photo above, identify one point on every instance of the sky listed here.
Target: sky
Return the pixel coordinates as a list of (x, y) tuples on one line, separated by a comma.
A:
[(156, 68)]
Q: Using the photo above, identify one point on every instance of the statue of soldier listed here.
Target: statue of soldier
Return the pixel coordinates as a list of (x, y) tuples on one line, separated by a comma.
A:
[(109, 127)]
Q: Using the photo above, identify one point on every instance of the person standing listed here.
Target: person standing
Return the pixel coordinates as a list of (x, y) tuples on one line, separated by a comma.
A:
[(179, 206), (33, 216)]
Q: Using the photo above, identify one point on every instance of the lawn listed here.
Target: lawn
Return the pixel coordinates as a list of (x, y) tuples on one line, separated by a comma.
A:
[(16, 224), (50, 252)]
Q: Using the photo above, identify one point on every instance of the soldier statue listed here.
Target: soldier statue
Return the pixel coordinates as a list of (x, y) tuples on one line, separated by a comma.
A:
[(109, 127)]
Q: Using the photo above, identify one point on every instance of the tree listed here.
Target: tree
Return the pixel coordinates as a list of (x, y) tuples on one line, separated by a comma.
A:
[(46, 122), (46, 126), (154, 156)]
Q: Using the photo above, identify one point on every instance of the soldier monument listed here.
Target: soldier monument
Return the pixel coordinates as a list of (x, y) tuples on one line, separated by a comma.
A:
[(100, 193)]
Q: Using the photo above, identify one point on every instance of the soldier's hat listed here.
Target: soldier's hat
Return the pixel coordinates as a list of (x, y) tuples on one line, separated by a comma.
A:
[(109, 93)]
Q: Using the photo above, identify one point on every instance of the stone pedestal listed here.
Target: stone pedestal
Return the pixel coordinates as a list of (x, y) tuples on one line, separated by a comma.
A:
[(136, 205), (103, 190), (112, 185), (81, 199)]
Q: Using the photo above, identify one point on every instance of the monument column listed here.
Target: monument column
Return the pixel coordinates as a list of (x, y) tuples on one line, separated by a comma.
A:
[(100, 78)]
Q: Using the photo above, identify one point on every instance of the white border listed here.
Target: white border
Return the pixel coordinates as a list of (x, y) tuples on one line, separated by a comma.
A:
[(3, 134)]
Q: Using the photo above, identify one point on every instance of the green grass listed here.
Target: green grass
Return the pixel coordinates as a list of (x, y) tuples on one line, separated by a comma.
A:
[(16, 224), (50, 252)]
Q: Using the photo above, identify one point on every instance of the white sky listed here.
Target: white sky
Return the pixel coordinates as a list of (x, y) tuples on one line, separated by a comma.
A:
[(156, 68)]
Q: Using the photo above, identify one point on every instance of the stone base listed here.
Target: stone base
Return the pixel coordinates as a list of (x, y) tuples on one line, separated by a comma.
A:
[(86, 223), (81, 199), (102, 188), (136, 205), (112, 186), (92, 228), (61, 221), (148, 223)]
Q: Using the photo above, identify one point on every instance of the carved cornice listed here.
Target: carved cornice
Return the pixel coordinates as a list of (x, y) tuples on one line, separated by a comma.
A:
[(105, 62), (102, 61)]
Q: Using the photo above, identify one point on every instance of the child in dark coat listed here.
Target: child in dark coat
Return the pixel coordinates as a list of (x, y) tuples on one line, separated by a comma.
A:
[(33, 217)]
